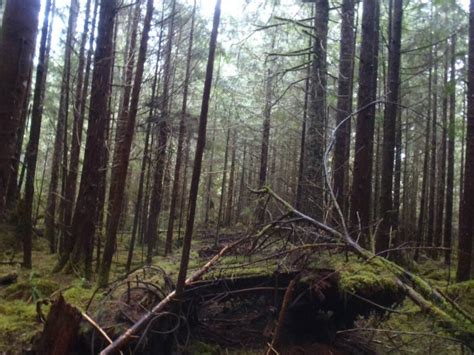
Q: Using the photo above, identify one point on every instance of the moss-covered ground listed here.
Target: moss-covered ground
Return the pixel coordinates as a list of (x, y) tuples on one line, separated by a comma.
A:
[(407, 330)]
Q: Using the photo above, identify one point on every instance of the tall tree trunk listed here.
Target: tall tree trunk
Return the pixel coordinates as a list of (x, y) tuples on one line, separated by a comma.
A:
[(139, 205), (344, 103), (397, 178), (362, 172), (199, 152), (78, 123), (441, 182), (315, 124), (389, 130), (61, 128), (240, 199), (434, 125), (223, 186), (230, 190), (421, 229), (448, 222), (122, 154), (163, 134), (84, 219), (209, 185), (181, 140), (301, 165), (267, 114), (32, 150), (466, 222), (13, 187), (17, 38)]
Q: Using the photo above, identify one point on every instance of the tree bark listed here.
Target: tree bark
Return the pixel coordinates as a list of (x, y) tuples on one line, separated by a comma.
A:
[(315, 124), (201, 143), (78, 123), (230, 189), (344, 103), (17, 38), (84, 219), (434, 124), (35, 130), (223, 186), (122, 154), (466, 222), (362, 172), (267, 114), (61, 129), (441, 181), (181, 141), (163, 135), (389, 131), (448, 222)]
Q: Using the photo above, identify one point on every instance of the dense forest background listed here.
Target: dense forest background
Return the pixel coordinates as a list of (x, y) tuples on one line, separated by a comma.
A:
[(146, 132)]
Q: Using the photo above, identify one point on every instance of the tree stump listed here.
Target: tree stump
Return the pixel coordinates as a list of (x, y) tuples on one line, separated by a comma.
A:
[(61, 329)]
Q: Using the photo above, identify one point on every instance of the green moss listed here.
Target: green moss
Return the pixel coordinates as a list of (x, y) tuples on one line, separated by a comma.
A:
[(358, 276), (18, 324), (31, 289), (79, 294), (463, 293)]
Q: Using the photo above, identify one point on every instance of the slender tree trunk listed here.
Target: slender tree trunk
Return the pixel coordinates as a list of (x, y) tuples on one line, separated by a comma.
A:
[(13, 187), (17, 38), (163, 135), (40, 192), (122, 154), (84, 219), (363, 157), (223, 186), (466, 222), (434, 124), (344, 103), (35, 129), (389, 131), (184, 185), (181, 141), (448, 223), (441, 181), (209, 203), (301, 165), (61, 129), (421, 229), (377, 166), (240, 199), (315, 124), (199, 152), (139, 205), (78, 112), (230, 190), (397, 178), (267, 114)]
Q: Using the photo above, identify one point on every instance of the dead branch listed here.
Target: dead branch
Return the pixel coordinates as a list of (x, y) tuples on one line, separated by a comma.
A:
[(129, 335)]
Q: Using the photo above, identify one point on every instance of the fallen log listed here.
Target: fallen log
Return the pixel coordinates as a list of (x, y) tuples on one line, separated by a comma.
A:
[(454, 320), (419, 291), (141, 324)]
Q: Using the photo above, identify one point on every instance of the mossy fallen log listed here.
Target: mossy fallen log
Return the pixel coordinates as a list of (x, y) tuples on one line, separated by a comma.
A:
[(454, 320)]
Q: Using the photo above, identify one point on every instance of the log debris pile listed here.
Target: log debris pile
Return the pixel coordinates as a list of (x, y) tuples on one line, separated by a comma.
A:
[(244, 293)]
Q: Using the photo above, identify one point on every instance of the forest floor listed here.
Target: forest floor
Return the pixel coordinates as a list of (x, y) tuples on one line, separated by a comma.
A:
[(404, 330)]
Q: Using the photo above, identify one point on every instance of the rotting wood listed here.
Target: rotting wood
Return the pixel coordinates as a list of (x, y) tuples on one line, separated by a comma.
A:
[(275, 344), (60, 330), (418, 290)]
